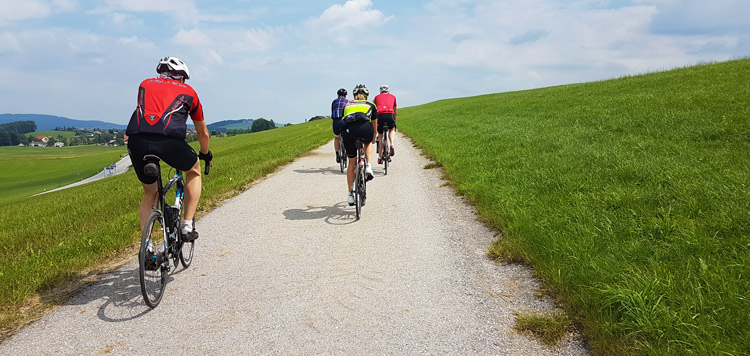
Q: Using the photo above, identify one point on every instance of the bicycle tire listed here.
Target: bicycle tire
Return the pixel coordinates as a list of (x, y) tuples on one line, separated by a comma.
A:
[(362, 190), (386, 152), (153, 280), (357, 201), (186, 253), (342, 154)]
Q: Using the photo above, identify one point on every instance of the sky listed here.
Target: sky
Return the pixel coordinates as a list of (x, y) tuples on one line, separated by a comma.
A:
[(285, 60)]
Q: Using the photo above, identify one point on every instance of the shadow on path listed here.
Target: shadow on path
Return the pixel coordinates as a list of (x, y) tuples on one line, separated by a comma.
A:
[(339, 214)]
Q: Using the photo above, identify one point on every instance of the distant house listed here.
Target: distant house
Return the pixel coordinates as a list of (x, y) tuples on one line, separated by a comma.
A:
[(38, 144), (59, 144), (113, 143), (44, 139)]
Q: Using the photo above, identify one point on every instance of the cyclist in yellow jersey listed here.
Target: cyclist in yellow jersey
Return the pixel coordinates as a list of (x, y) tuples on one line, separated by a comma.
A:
[(360, 121)]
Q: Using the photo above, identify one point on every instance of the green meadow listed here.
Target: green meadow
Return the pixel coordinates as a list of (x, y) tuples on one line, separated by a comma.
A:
[(30, 170), (53, 133), (629, 198), (50, 240)]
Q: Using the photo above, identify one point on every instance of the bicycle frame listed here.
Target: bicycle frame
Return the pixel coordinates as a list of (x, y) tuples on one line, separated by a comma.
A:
[(161, 206)]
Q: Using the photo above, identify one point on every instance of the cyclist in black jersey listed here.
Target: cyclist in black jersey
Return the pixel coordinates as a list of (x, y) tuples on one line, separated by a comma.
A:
[(360, 120)]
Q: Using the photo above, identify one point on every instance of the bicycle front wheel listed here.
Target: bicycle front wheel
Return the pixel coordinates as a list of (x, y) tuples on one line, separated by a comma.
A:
[(342, 154), (151, 257)]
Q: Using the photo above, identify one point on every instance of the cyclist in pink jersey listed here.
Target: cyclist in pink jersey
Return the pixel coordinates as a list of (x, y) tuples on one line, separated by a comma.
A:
[(387, 111)]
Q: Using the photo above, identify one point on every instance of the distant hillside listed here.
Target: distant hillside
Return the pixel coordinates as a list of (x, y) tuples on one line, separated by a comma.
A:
[(223, 126), (50, 122)]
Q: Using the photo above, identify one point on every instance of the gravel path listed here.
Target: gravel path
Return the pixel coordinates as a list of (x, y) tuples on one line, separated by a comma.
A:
[(283, 268)]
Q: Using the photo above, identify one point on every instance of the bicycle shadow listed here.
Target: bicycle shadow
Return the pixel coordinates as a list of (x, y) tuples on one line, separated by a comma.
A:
[(325, 171), (119, 294), (339, 214)]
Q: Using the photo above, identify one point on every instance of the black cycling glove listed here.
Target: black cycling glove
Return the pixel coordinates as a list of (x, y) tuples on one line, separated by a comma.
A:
[(208, 157)]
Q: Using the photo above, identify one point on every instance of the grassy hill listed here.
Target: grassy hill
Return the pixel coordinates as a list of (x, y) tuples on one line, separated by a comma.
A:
[(629, 197), (53, 133), (223, 126), (30, 170)]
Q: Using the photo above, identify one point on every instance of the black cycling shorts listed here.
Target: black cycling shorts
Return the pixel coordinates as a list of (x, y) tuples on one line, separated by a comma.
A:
[(173, 151), (338, 125), (361, 130), (387, 118)]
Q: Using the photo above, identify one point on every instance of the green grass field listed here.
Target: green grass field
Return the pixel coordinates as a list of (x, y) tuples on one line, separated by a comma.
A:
[(53, 133), (629, 197), (31, 170), (47, 241)]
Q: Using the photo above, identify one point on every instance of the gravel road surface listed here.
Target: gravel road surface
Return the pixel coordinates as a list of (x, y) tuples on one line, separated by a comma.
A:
[(283, 268)]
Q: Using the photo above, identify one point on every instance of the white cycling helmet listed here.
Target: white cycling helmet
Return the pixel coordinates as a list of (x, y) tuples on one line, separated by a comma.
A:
[(173, 65), (384, 88), (361, 89)]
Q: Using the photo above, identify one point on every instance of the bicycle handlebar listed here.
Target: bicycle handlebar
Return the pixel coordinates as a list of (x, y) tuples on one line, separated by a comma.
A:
[(208, 157)]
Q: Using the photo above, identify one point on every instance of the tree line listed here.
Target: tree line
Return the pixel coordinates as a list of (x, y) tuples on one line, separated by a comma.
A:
[(13, 133)]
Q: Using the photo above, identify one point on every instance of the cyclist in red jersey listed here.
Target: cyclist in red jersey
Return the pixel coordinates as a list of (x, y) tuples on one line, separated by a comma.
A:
[(387, 111), (159, 126)]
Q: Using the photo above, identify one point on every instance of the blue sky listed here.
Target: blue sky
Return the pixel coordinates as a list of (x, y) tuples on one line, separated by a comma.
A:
[(284, 60)]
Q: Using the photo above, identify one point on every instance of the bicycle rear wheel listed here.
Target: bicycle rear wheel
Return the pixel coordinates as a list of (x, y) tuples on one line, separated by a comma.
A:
[(151, 257), (357, 201), (186, 253), (386, 152)]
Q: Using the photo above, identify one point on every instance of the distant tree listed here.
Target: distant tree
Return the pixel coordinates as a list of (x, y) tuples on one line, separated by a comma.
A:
[(5, 138), (262, 125), (19, 127)]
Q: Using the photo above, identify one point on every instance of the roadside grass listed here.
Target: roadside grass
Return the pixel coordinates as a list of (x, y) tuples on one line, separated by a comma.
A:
[(30, 170), (48, 241), (549, 328), (629, 197)]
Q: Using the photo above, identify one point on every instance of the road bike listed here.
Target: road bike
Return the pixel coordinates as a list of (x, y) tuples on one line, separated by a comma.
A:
[(342, 154), (360, 180), (162, 240), (385, 144)]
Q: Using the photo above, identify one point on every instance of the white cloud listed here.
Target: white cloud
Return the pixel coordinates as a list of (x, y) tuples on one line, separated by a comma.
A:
[(256, 40), (9, 42), (690, 17), (16, 10), (344, 21), (65, 5), (194, 37)]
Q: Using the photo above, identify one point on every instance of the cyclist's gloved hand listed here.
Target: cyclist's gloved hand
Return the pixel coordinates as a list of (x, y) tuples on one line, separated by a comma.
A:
[(208, 157)]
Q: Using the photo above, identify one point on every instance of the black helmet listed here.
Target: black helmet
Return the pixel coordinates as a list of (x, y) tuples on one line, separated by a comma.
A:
[(360, 88), (341, 92)]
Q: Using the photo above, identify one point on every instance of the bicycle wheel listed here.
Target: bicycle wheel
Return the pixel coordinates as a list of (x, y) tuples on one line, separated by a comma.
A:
[(151, 256), (386, 153), (186, 253), (362, 189), (357, 200), (342, 154)]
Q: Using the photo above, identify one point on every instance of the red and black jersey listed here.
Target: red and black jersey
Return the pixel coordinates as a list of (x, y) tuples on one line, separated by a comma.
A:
[(163, 108)]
